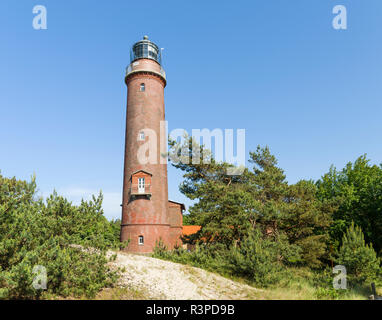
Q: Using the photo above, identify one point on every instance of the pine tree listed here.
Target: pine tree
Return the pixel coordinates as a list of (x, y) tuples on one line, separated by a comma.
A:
[(290, 209), (34, 232), (229, 208), (359, 258)]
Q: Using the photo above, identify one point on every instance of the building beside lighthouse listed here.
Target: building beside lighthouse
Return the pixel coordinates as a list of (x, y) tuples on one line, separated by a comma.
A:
[(147, 214)]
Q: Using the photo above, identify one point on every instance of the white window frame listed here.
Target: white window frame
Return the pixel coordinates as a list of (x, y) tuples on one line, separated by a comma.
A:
[(142, 136), (141, 240), (141, 185)]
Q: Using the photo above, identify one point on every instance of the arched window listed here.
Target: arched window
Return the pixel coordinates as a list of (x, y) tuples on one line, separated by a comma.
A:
[(142, 87), (140, 240)]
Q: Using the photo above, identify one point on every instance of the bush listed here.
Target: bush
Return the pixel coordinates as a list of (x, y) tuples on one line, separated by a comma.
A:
[(211, 257), (327, 294), (359, 258), (37, 233), (262, 260)]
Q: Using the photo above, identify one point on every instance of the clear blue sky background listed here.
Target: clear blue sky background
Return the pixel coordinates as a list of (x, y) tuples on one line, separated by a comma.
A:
[(273, 67)]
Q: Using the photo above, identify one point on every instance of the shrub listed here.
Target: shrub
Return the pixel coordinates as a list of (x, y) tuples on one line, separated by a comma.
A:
[(34, 232), (327, 294), (211, 257), (261, 260)]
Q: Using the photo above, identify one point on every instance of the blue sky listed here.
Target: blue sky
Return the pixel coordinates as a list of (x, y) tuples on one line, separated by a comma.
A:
[(275, 68)]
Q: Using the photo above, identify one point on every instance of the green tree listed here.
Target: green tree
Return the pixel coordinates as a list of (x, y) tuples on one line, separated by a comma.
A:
[(224, 208), (290, 209), (69, 241), (359, 258), (307, 221), (186, 220), (358, 191), (231, 207)]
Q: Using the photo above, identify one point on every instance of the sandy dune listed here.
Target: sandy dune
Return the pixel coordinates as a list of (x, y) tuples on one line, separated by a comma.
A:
[(167, 280)]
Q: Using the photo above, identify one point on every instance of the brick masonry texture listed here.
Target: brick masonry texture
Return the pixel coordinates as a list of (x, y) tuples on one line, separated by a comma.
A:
[(151, 216)]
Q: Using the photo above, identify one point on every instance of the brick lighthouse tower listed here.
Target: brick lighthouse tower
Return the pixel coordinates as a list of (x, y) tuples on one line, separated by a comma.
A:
[(147, 215)]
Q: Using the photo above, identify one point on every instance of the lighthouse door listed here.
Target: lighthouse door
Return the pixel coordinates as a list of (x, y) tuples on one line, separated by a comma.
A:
[(141, 185)]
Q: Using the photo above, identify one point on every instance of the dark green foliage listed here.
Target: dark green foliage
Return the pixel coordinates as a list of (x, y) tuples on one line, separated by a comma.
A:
[(290, 209), (34, 232), (262, 260), (358, 191), (359, 258), (306, 222), (115, 233), (211, 257), (186, 220), (230, 207), (256, 225)]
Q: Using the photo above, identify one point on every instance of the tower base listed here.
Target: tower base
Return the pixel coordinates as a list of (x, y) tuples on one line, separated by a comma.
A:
[(151, 234)]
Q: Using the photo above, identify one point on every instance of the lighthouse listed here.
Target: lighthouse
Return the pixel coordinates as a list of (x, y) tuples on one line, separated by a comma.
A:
[(147, 215)]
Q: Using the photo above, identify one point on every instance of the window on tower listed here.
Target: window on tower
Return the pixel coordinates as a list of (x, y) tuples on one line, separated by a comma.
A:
[(141, 185), (140, 240), (142, 88), (141, 136)]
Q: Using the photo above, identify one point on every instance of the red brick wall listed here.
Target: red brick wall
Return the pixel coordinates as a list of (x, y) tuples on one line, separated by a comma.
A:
[(176, 223), (144, 216), (151, 233), (141, 174)]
